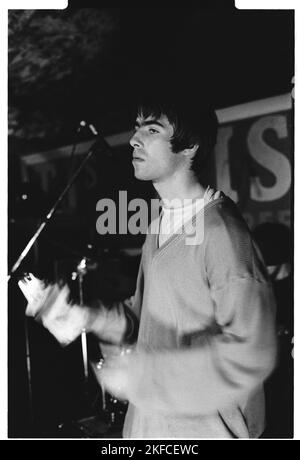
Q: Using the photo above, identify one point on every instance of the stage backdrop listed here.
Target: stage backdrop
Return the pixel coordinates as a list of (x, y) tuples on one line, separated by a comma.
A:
[(253, 164)]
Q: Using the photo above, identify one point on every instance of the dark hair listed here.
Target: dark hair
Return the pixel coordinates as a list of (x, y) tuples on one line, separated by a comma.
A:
[(194, 122)]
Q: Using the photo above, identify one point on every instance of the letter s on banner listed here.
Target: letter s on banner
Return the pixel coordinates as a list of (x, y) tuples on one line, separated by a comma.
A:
[(270, 158)]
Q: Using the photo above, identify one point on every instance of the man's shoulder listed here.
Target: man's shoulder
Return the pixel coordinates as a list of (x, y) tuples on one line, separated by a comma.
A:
[(224, 216)]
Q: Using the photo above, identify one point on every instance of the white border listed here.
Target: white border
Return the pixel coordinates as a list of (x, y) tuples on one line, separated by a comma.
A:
[(265, 4), (36, 4), (54, 4)]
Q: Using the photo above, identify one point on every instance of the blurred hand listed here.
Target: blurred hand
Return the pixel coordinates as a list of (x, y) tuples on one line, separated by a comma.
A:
[(35, 292), (113, 375), (50, 305), (63, 320)]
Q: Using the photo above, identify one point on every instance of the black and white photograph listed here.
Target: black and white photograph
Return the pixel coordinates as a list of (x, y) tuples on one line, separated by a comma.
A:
[(150, 221)]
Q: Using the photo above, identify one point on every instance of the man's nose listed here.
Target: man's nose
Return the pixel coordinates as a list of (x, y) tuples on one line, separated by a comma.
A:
[(136, 141)]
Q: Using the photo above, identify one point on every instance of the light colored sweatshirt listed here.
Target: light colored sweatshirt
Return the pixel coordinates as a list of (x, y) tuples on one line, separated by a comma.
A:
[(172, 219), (206, 339)]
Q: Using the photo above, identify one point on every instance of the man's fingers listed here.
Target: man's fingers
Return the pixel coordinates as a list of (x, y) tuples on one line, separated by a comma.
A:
[(35, 293)]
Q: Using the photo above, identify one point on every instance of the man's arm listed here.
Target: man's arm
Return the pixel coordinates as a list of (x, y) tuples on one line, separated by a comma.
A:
[(122, 320), (116, 324), (51, 306)]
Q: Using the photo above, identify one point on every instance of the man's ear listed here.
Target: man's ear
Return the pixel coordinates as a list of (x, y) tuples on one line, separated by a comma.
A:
[(190, 151)]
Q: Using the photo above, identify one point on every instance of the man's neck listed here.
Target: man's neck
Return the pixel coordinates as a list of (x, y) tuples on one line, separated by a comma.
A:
[(179, 187)]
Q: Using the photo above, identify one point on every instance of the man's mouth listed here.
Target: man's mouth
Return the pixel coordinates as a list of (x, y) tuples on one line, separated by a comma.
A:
[(137, 158)]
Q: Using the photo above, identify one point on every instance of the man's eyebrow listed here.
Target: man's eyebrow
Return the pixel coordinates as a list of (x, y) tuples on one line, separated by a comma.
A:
[(153, 121)]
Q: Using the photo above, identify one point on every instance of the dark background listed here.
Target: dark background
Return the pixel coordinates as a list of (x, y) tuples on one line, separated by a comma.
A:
[(91, 63)]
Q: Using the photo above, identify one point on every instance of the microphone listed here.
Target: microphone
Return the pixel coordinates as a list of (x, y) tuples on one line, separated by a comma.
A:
[(90, 126)]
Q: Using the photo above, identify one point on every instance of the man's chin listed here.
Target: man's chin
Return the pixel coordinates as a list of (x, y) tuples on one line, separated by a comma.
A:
[(141, 176)]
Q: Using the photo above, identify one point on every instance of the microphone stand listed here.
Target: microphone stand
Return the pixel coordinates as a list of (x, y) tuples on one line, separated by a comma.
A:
[(54, 207), (81, 271), (102, 145)]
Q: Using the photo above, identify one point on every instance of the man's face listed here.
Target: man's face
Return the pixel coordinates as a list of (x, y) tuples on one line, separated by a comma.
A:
[(153, 158)]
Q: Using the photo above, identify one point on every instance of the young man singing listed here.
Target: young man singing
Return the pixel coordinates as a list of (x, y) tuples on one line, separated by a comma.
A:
[(204, 307)]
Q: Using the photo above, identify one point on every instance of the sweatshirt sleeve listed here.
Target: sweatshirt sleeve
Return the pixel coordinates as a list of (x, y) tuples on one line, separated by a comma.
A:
[(118, 323), (134, 303), (237, 357), (132, 309)]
